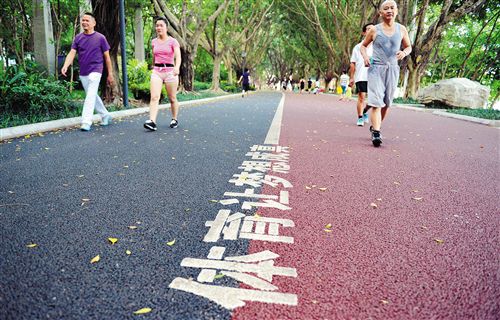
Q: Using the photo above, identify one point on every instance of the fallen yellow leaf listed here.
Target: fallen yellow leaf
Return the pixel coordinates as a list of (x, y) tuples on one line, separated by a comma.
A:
[(31, 245), (328, 226), (113, 240), (132, 227), (308, 188), (373, 205), (218, 276), (327, 230), (417, 198), (322, 189), (143, 311), (379, 199), (424, 227), (213, 201), (95, 259), (171, 243), (384, 301), (128, 252), (439, 241)]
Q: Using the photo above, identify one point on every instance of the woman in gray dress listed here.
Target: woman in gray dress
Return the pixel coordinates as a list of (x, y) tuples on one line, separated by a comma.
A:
[(383, 74)]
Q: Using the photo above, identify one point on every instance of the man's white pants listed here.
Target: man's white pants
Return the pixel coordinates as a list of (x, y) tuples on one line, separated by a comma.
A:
[(92, 100)]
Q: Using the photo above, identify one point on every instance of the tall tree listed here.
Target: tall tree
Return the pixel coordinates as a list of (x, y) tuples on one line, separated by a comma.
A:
[(188, 29), (427, 38), (237, 34), (108, 22)]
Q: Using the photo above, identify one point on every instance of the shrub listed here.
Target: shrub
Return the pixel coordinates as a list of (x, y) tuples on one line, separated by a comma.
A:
[(139, 77), (198, 85), (30, 92), (229, 87)]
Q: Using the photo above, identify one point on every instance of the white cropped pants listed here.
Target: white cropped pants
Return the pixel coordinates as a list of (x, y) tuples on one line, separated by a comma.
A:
[(92, 100)]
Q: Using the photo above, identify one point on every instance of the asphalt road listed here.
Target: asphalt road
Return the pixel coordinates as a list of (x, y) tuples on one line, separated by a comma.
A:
[(409, 230), (162, 182)]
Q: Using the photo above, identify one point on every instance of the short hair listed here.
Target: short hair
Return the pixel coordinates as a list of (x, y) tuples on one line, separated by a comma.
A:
[(386, 1), (366, 25), (89, 14), (161, 19)]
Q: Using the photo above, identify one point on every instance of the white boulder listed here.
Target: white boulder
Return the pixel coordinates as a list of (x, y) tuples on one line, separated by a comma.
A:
[(456, 92)]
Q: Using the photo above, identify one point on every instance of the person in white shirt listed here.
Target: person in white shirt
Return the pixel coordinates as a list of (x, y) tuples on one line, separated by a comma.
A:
[(359, 76), (344, 81)]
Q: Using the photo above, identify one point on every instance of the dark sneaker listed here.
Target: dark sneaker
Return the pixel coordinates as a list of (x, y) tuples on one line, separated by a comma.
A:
[(150, 125), (174, 123), (376, 138)]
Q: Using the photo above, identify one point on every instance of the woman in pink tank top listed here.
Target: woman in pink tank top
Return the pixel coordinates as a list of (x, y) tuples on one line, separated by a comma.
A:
[(166, 65)]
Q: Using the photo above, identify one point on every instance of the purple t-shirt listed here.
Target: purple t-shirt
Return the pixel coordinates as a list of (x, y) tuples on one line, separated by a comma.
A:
[(90, 48)]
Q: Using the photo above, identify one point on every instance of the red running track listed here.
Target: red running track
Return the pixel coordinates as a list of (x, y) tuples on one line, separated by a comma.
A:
[(430, 250)]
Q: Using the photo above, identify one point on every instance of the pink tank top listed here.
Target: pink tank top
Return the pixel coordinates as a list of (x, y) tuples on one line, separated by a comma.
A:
[(164, 51)]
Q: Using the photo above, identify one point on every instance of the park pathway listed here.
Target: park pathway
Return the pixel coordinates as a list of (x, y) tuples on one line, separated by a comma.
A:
[(225, 218)]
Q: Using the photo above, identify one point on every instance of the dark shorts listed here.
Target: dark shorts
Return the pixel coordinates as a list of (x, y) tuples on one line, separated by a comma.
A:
[(362, 86), (246, 86)]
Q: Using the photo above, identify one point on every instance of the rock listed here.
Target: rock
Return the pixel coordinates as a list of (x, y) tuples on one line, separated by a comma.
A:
[(456, 92)]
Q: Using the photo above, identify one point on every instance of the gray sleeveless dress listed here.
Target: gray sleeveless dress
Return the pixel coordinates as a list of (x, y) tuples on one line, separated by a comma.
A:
[(383, 73)]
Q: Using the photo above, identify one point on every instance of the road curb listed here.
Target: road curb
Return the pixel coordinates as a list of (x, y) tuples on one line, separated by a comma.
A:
[(19, 131), (443, 113)]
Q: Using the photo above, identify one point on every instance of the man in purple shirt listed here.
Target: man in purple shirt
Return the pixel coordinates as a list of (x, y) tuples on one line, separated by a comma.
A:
[(93, 50)]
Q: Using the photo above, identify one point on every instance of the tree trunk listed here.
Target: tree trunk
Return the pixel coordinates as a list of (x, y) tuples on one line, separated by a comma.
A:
[(230, 79), (112, 94), (413, 84), (108, 23), (139, 35), (187, 72), (216, 73)]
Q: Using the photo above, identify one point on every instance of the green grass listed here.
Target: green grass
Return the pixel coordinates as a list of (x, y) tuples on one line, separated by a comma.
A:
[(78, 95), (477, 113), (405, 101), (195, 95), (8, 120), (11, 120)]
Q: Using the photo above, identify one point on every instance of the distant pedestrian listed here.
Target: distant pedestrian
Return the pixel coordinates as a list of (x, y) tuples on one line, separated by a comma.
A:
[(166, 66), (309, 85), (359, 76), (302, 84), (245, 82), (344, 82), (383, 72), (93, 52)]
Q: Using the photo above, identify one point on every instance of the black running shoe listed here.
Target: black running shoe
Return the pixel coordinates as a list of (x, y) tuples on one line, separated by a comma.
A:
[(150, 125), (376, 138), (174, 123)]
